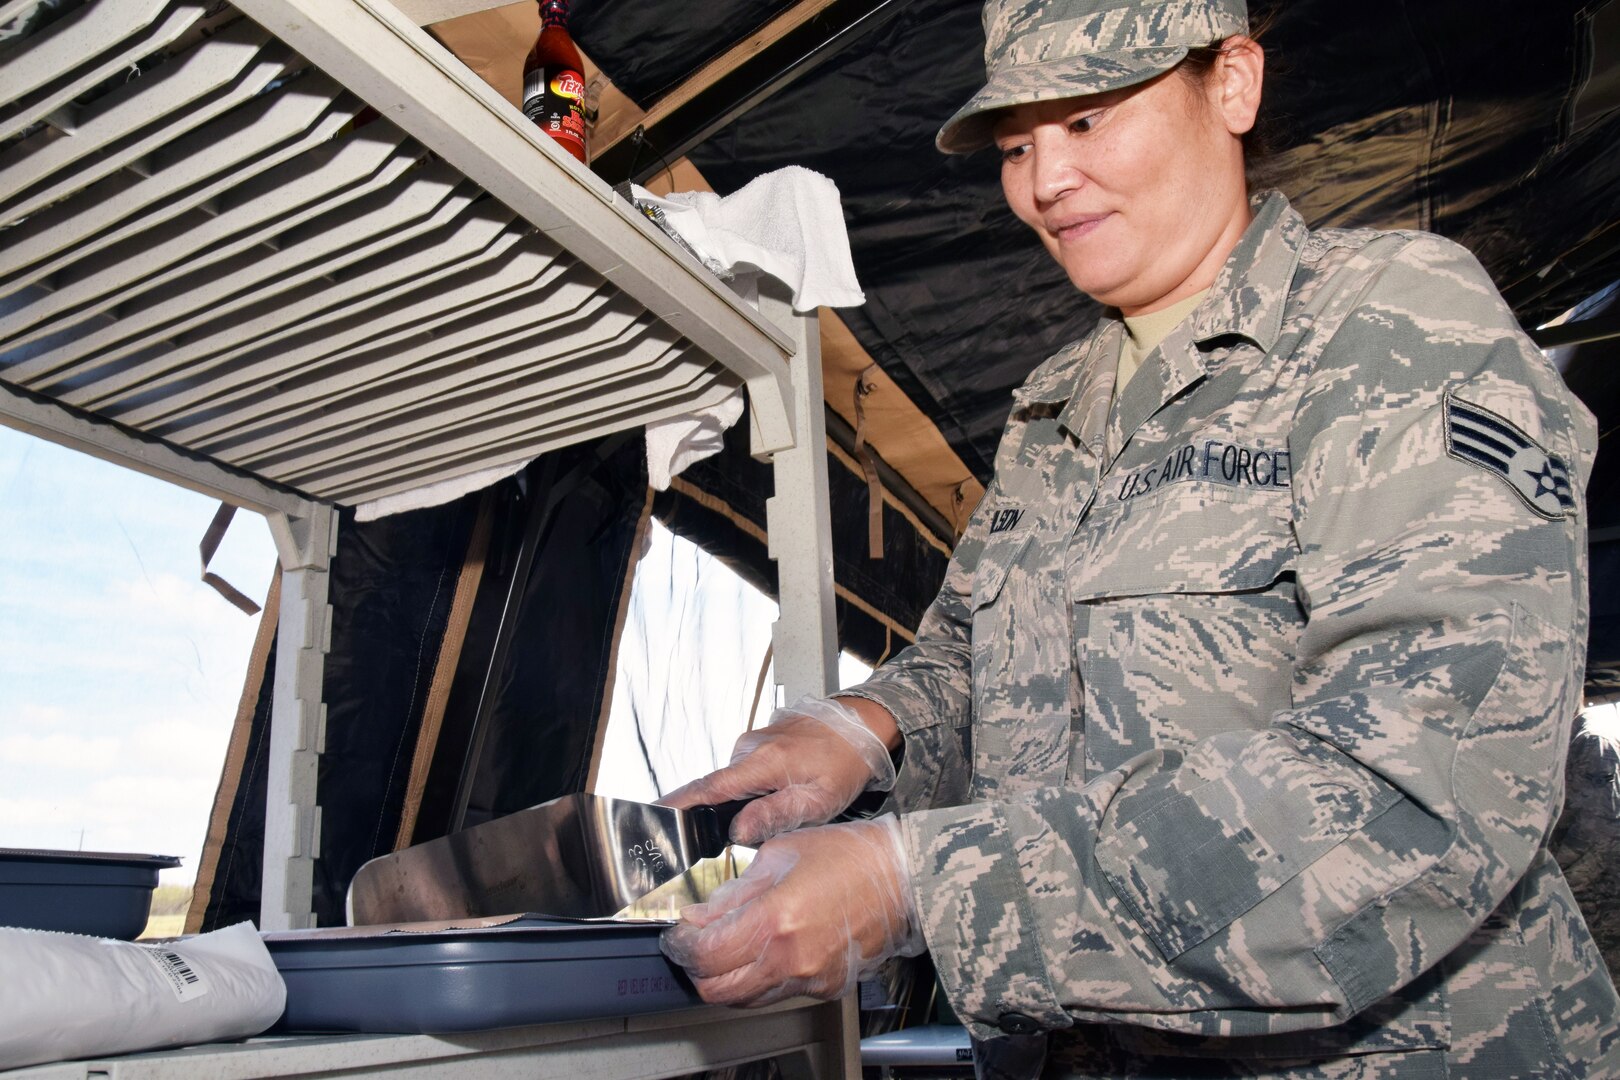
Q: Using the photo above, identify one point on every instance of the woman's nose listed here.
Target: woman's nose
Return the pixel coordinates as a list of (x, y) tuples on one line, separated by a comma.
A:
[(1054, 170)]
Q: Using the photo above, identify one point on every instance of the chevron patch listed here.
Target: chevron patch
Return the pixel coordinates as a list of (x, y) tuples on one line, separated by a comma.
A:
[(1482, 438)]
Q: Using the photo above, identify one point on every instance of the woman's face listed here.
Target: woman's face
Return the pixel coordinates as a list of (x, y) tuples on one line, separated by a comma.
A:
[(1139, 193)]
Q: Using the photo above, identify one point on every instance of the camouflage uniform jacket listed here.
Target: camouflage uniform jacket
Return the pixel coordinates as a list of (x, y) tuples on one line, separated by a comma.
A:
[(1237, 728)]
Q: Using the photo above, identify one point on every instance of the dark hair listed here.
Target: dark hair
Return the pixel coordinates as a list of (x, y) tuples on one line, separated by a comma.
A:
[(1260, 143)]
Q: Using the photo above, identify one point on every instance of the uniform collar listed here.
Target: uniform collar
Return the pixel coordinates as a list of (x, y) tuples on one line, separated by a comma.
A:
[(1251, 291), (1247, 300)]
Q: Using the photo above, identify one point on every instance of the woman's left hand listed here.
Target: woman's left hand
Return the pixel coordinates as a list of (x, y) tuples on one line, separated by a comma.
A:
[(816, 910)]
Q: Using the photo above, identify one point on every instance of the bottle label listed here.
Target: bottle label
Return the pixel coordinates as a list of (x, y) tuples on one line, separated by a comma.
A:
[(554, 98)]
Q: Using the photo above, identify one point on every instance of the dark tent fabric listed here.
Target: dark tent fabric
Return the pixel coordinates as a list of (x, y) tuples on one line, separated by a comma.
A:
[(540, 722), (668, 43), (1474, 119), (386, 629), (391, 587), (1589, 371)]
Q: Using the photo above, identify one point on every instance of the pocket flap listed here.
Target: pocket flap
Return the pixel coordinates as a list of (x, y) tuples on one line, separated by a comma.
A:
[(1188, 538), (991, 573)]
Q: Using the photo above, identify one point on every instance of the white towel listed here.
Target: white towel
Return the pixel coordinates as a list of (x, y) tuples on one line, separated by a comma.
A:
[(788, 223), (675, 443), (435, 494)]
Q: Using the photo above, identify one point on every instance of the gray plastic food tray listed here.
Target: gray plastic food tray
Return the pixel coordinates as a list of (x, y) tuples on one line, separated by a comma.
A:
[(100, 893), (533, 971)]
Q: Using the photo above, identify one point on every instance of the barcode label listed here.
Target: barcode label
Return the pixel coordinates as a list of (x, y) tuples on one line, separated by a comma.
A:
[(183, 979)]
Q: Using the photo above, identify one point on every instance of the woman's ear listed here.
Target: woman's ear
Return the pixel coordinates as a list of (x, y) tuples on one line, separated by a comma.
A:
[(1239, 77)]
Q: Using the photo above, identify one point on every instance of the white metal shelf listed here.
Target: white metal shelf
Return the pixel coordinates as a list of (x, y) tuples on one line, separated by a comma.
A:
[(804, 1038), (214, 254), (219, 267)]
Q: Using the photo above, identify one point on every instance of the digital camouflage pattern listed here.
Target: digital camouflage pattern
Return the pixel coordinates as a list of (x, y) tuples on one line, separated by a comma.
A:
[(1236, 732), (1038, 50)]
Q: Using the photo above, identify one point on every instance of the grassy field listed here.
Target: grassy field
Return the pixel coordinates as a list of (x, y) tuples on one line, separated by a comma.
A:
[(164, 926), (169, 905)]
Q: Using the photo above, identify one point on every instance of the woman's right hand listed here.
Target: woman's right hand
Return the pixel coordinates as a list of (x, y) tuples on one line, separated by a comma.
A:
[(810, 762)]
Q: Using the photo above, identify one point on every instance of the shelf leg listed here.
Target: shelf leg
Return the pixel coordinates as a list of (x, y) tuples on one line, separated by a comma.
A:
[(292, 816), (798, 523)]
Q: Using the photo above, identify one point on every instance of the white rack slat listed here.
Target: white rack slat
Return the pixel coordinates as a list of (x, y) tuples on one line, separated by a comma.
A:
[(228, 252)]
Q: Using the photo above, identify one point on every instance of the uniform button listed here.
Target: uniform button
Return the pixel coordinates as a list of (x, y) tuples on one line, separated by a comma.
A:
[(1016, 1023)]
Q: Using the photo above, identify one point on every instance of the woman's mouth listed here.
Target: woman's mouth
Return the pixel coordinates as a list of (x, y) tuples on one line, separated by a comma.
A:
[(1074, 228)]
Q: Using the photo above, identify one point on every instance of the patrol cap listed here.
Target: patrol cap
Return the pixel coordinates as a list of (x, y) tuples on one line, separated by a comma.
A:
[(1039, 50)]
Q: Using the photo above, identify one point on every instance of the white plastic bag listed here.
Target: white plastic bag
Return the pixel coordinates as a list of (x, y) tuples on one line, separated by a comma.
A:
[(70, 996)]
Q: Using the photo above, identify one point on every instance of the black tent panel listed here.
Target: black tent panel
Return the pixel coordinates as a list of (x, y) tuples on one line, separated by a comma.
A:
[(1445, 115), (961, 301), (648, 49), (239, 863), (392, 584), (541, 725)]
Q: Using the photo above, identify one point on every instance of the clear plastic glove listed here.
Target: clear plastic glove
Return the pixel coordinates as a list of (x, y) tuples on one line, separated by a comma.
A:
[(808, 764), (817, 910)]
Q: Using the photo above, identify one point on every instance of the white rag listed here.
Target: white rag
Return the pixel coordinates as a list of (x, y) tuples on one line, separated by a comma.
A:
[(675, 443), (435, 494), (789, 224)]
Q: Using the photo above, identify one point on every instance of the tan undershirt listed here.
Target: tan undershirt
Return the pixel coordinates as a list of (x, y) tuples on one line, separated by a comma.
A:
[(1143, 333)]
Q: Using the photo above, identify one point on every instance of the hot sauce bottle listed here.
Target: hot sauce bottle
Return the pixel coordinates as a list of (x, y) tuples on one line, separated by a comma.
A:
[(553, 81)]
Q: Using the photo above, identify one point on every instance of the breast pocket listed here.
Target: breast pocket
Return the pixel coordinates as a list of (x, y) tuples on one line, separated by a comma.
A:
[(1021, 669), (1186, 619)]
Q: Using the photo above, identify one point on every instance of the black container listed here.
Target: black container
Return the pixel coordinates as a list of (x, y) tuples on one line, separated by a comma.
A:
[(100, 893), (529, 972)]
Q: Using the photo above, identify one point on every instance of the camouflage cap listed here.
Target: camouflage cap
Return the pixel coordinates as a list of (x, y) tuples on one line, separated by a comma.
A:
[(1038, 50)]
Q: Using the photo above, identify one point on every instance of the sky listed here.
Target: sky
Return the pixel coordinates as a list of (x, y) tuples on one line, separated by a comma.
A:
[(121, 672)]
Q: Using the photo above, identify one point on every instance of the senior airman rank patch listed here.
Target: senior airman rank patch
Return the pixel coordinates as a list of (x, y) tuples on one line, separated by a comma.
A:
[(1480, 437)]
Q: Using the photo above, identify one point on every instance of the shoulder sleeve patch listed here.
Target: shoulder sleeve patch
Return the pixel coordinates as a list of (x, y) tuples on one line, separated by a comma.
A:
[(1491, 442)]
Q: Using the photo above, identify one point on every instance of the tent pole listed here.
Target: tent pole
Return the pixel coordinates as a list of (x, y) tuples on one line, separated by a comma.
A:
[(292, 816)]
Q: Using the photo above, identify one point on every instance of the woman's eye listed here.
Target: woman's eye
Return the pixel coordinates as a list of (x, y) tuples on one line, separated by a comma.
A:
[(1082, 124), (1014, 153)]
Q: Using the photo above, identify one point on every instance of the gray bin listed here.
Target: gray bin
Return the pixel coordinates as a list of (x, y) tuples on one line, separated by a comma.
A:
[(103, 894), (532, 971)]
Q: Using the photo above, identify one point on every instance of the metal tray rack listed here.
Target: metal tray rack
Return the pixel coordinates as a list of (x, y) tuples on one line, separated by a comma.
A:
[(293, 254)]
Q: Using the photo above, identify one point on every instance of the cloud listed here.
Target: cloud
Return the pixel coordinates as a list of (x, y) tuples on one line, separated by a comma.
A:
[(60, 750), (119, 670), (31, 714), (181, 747)]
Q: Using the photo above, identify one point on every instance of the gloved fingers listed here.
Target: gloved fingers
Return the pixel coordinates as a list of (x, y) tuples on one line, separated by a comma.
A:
[(772, 974), (744, 987), (818, 756), (782, 811), (740, 781), (728, 896), (818, 908), (757, 767), (731, 929), (726, 944)]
